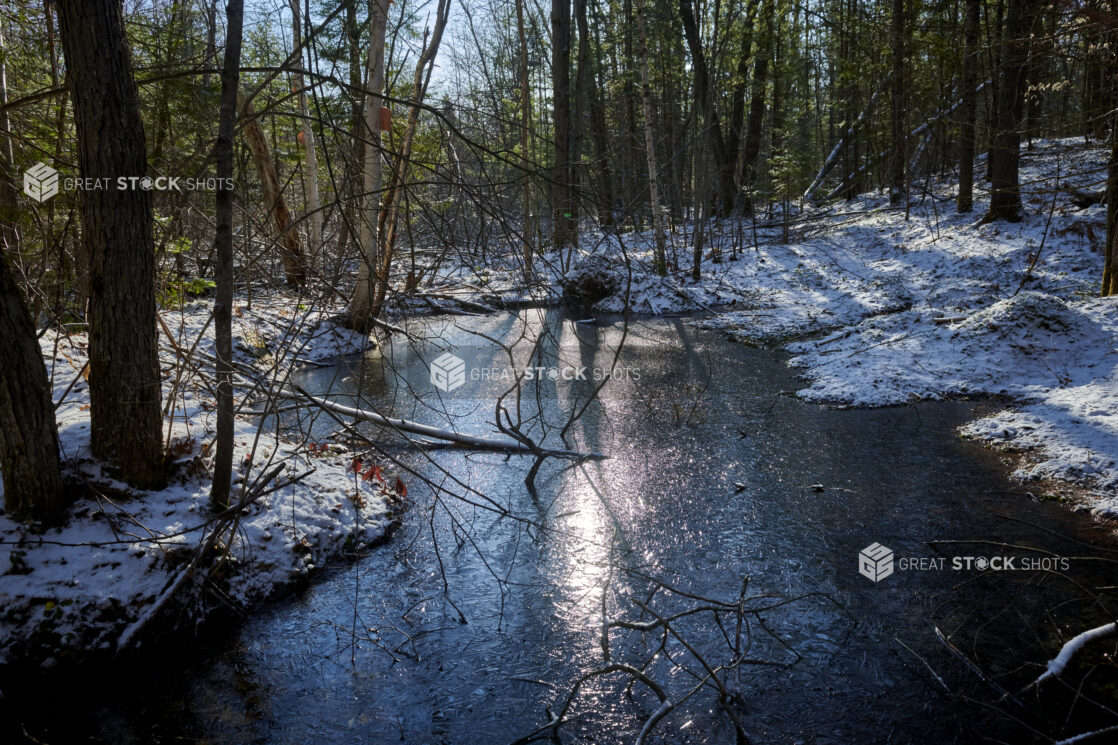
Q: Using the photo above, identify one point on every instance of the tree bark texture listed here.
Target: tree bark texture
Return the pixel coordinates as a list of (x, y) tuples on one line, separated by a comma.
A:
[(124, 383)]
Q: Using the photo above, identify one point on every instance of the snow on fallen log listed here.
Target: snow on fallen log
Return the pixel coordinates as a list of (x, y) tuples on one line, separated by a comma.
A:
[(504, 444), (1072, 647), (833, 157)]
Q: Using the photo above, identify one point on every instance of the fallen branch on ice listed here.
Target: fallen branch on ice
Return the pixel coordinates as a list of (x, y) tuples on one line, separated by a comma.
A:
[(483, 443)]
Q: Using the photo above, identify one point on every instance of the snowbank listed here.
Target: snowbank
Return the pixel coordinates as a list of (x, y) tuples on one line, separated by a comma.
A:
[(1022, 346), (74, 590)]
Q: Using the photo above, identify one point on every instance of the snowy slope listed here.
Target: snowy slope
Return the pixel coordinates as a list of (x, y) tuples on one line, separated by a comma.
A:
[(927, 305)]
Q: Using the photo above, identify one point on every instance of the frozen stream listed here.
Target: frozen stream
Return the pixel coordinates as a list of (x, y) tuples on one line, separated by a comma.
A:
[(705, 414)]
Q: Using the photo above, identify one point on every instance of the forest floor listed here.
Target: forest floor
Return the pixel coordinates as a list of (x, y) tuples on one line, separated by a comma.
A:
[(880, 306), (877, 307)]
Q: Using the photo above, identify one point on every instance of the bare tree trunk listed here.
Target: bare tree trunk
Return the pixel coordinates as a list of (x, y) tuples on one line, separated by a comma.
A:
[(525, 161), (752, 146), (124, 383), (360, 315), (583, 171), (9, 152), (630, 178), (897, 190), (1005, 154), (223, 250), (291, 251), (736, 122), (423, 69), (704, 88), (61, 129), (660, 260), (314, 216), (1109, 22), (969, 108), (604, 169), (1110, 268), (564, 223), (210, 54), (28, 434), (1098, 85), (355, 161)]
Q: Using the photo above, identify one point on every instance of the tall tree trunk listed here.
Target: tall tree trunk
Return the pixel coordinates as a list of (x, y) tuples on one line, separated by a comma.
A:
[(1108, 22), (605, 174), (1005, 154), (355, 162), (1110, 252), (9, 153), (360, 316), (28, 434), (660, 258), (897, 186), (995, 32), (61, 130), (525, 161), (1040, 52), (590, 118), (389, 217), (1097, 75), (314, 216), (291, 250), (210, 53), (564, 222), (223, 251), (117, 232), (752, 146), (969, 110), (737, 106), (579, 127), (631, 183), (704, 89)]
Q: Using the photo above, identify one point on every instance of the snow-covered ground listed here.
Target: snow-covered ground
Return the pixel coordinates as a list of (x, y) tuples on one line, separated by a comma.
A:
[(95, 581), (880, 308)]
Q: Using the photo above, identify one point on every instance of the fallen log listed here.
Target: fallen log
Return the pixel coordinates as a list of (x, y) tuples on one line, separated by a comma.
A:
[(1057, 664)]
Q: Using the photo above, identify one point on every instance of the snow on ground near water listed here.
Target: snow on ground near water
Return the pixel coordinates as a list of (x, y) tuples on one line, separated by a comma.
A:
[(76, 589), (878, 282)]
